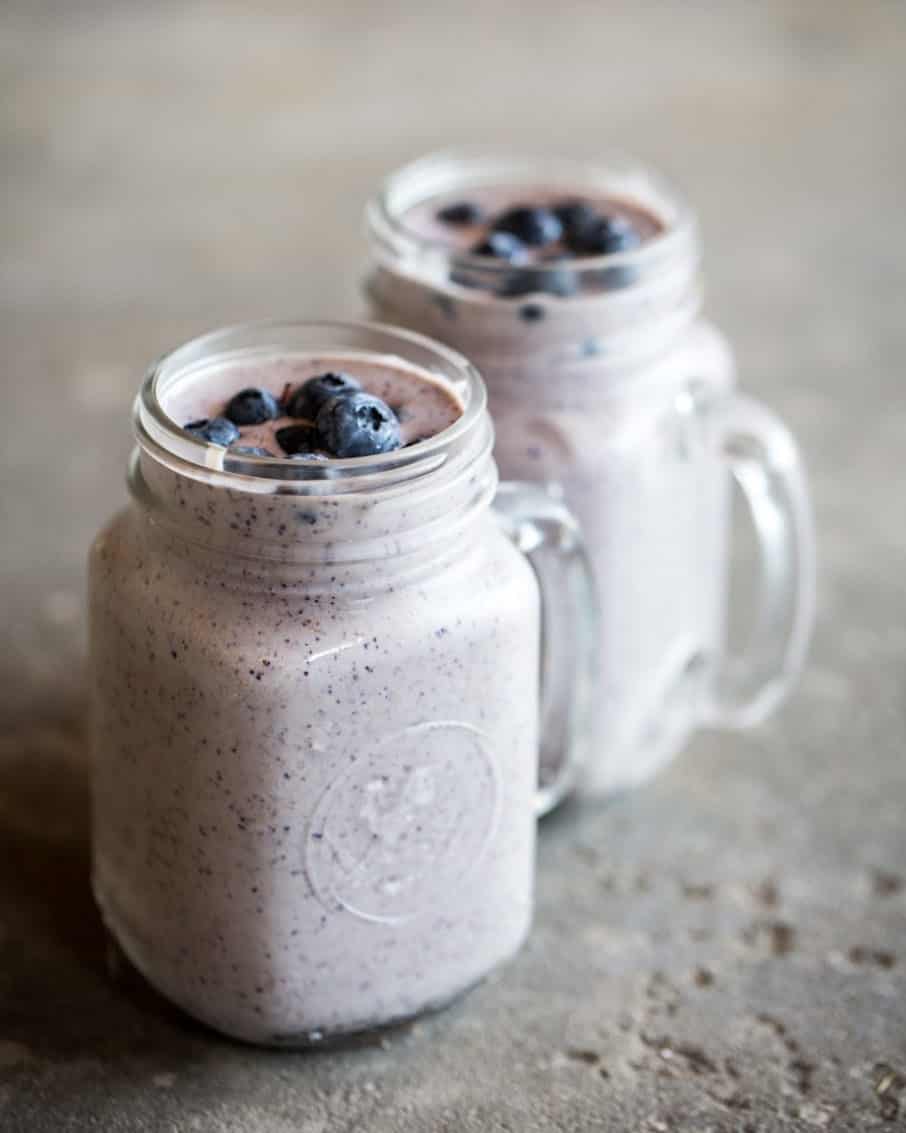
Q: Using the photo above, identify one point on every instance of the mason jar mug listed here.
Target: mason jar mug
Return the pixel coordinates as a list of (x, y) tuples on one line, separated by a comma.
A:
[(316, 701), (609, 388)]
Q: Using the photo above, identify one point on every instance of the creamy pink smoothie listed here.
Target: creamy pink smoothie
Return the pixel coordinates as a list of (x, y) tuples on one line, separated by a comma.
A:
[(599, 368), (316, 706)]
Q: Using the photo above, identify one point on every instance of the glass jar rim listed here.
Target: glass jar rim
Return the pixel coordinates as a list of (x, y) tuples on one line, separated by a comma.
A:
[(161, 436), (470, 167)]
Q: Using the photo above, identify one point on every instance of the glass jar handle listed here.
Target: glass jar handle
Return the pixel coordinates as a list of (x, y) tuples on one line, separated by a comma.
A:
[(548, 535), (764, 460)]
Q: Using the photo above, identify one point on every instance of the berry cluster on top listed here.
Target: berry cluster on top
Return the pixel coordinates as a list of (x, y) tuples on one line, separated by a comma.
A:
[(538, 240), (334, 417)]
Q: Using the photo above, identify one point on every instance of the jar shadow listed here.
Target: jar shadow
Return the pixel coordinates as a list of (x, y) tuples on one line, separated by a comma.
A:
[(57, 997), (44, 835)]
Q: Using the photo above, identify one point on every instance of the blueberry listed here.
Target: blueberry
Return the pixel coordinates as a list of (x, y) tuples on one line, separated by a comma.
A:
[(252, 407), (534, 226), (502, 246), (358, 425), (217, 431), (606, 235), (550, 280), (460, 212), (613, 278), (576, 217), (249, 450), (295, 439), (311, 395)]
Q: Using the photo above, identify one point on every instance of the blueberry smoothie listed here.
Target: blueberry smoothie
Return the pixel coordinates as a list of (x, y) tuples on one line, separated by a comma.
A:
[(315, 665), (574, 287), (313, 409)]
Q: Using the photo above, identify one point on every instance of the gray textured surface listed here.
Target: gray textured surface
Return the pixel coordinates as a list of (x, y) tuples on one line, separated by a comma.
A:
[(727, 949)]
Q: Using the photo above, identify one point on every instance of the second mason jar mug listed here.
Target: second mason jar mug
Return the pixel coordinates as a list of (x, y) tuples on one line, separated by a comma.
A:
[(609, 388), (316, 697)]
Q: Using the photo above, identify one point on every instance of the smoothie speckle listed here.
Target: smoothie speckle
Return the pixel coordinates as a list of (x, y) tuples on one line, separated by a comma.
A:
[(531, 312), (446, 304)]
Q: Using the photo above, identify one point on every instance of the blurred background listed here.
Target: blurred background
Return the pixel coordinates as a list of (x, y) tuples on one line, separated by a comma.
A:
[(173, 167), (170, 167)]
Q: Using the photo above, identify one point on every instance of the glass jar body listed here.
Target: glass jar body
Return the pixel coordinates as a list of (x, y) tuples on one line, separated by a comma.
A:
[(314, 782), (623, 434), (648, 481)]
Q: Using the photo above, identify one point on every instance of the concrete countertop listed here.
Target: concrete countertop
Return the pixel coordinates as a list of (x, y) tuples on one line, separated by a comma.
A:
[(725, 950)]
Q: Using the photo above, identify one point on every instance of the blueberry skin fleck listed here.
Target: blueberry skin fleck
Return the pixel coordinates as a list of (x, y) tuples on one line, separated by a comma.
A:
[(551, 281), (502, 246), (295, 439), (445, 304), (358, 425), (531, 312), (217, 431), (533, 226), (607, 235), (460, 212), (311, 395), (249, 450), (252, 407)]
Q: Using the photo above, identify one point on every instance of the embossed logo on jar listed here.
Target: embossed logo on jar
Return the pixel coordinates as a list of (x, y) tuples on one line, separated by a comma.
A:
[(408, 821)]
